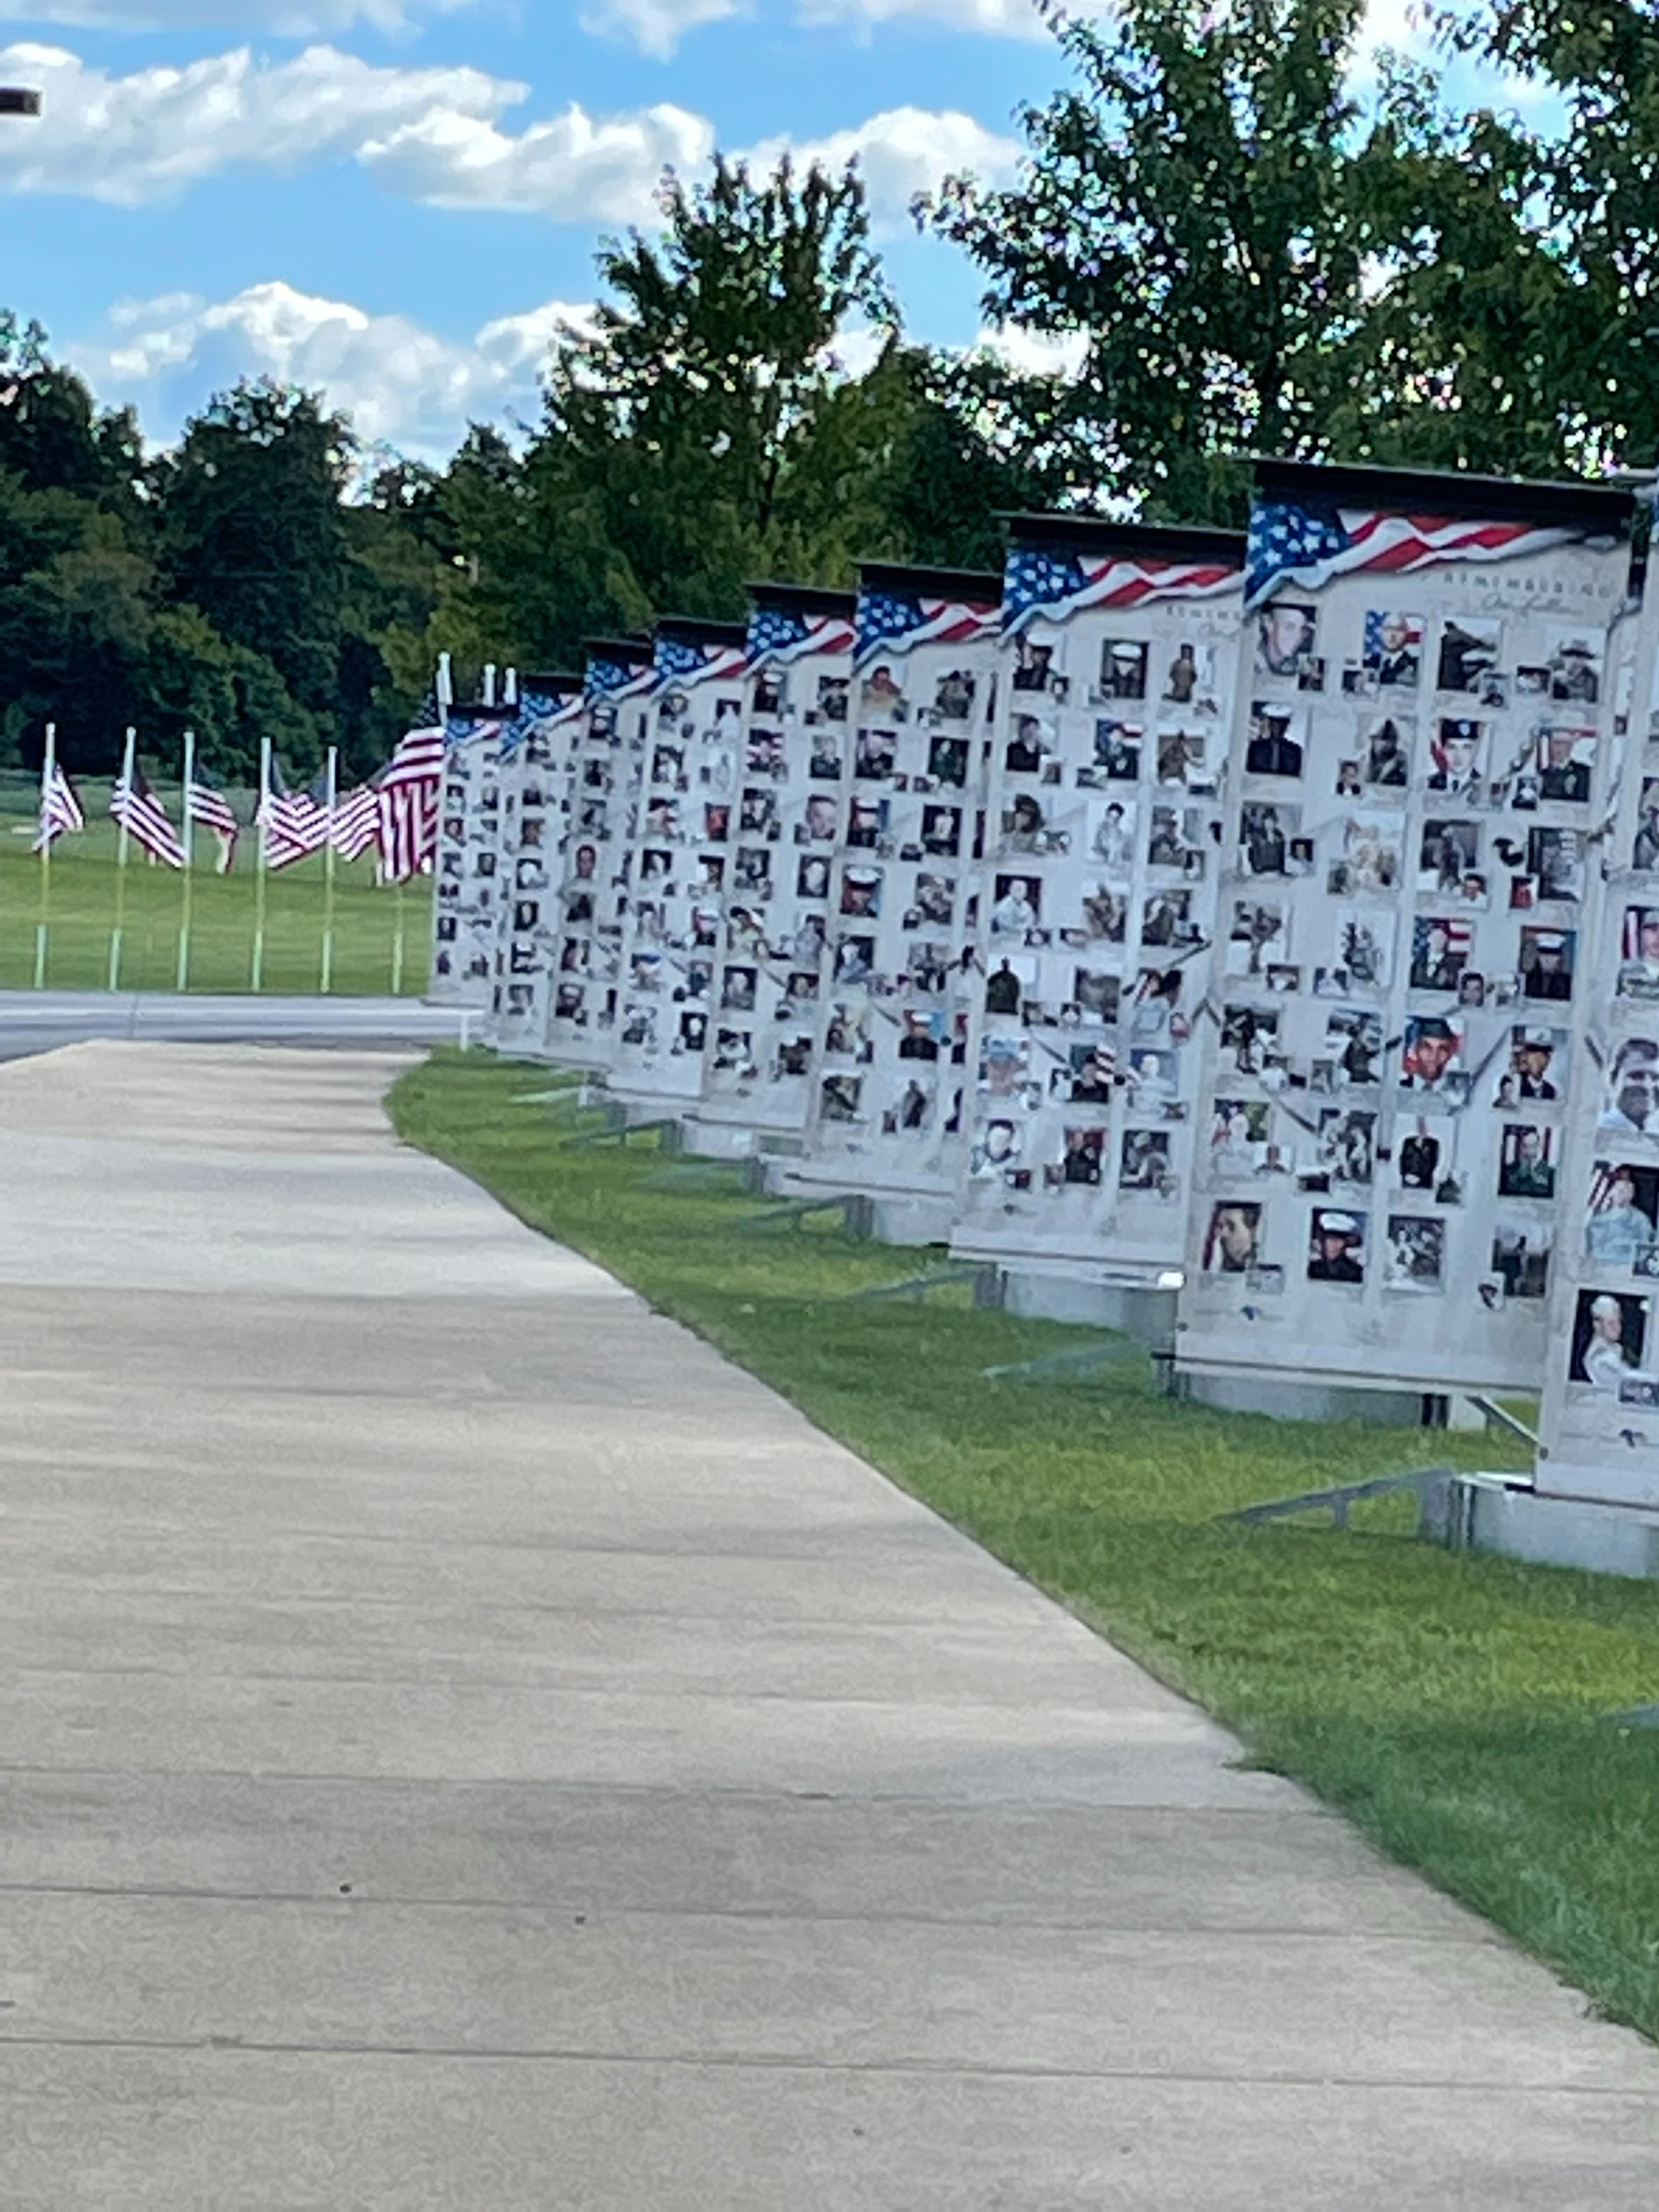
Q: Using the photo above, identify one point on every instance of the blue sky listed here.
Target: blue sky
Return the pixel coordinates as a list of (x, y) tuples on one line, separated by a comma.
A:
[(397, 199), (394, 197)]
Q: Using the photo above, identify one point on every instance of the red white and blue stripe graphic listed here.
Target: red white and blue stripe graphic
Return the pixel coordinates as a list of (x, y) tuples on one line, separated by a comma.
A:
[(679, 660), (60, 810), (1306, 547), (896, 621), (788, 634), (1054, 584)]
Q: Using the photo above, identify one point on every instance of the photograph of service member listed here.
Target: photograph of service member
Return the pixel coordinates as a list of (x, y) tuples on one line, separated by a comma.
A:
[(1421, 736), (769, 954), (888, 1079), (1097, 896)]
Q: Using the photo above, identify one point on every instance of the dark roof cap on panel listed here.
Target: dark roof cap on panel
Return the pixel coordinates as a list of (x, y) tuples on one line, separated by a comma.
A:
[(1421, 491), (703, 629), (806, 599), (968, 585), (1159, 540), (619, 648), (544, 681)]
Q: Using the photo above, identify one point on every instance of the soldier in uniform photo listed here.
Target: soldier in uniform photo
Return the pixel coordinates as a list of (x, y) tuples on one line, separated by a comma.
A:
[(1337, 1250)]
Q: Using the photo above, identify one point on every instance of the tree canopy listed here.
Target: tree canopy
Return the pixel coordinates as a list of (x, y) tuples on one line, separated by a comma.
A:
[(1251, 235)]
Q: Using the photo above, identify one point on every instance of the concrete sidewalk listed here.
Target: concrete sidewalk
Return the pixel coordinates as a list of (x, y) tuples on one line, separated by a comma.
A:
[(467, 1747)]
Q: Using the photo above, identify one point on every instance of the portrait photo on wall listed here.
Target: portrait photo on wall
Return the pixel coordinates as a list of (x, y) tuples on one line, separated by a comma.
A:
[(1144, 1164), (1449, 855), (1565, 758), (1392, 650), (1644, 844), (1471, 648), (941, 830), (1017, 906), (1240, 1129), (1189, 678), (1369, 861), (1094, 1074), (1249, 1038), (1346, 1144), (1286, 635), (1520, 1256), (1575, 666), (1457, 756), (1384, 755), (1424, 1150), (1110, 833), (874, 753), (1183, 762), (1414, 1252), (996, 1147), (1122, 669), (1441, 944), (1034, 665), (860, 892), (1608, 1351), (1639, 965), (1277, 741), (1083, 1156), (910, 1112), (1536, 1068), (1096, 993), (1256, 936), (1526, 1161), (1365, 947), (1117, 751), (1630, 1096), (1431, 1058), (1336, 1245), (1265, 831), (1620, 1215), (1547, 958), (1232, 1238)]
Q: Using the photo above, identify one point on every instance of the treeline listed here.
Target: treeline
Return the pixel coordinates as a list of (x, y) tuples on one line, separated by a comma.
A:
[(1255, 241)]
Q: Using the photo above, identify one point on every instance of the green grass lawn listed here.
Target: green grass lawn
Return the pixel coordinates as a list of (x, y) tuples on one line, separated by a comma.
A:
[(1454, 1708), (84, 900)]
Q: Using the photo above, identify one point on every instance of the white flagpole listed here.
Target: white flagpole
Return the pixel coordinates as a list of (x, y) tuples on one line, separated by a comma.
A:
[(327, 978), (128, 758), (186, 827), (490, 683), (259, 866), (43, 926)]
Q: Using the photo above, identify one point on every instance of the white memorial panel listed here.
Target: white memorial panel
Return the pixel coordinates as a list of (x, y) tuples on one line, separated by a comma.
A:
[(607, 752), (467, 862), (1097, 896), (1422, 728), (766, 969), (534, 776), (682, 850)]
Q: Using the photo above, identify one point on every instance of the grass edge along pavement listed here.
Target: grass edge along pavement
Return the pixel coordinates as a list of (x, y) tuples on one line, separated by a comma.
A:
[(1454, 1708)]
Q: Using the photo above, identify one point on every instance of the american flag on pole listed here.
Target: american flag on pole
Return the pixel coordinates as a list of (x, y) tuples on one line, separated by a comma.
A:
[(60, 810), (790, 634), (357, 824), (142, 815), (1040, 581), (296, 823), (1306, 546), (206, 804), (896, 621), (408, 786)]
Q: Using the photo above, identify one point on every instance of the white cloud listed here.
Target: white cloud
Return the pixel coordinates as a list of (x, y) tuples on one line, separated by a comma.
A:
[(996, 18), (291, 18), (401, 384), (130, 139), (576, 168), (1033, 353), (655, 26), (902, 152)]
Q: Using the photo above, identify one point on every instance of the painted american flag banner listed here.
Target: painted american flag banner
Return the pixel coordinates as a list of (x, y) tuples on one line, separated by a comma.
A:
[(777, 633), (686, 660), (895, 622), (1292, 542), (607, 677), (1046, 582)]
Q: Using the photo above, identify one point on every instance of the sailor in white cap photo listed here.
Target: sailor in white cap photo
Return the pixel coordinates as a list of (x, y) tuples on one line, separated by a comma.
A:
[(1337, 1250)]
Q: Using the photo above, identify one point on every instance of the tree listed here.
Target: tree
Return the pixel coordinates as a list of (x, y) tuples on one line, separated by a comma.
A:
[(253, 534), (1256, 264)]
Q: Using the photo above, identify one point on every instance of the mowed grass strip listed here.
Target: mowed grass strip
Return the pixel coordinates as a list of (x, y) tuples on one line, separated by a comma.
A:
[(1456, 1709), (85, 893)]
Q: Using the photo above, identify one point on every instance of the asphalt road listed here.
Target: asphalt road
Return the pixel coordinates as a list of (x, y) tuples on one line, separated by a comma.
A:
[(40, 1021)]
